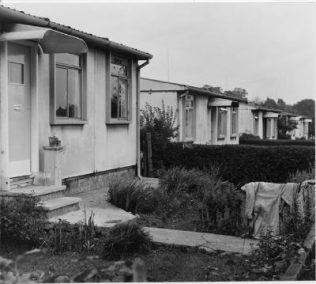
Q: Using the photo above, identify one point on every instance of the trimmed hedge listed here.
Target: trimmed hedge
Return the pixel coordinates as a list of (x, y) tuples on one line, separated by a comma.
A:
[(278, 142), (241, 164)]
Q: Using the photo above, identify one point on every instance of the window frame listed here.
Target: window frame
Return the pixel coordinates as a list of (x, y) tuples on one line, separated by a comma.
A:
[(188, 98), (221, 136), (108, 101), (233, 111), (54, 119)]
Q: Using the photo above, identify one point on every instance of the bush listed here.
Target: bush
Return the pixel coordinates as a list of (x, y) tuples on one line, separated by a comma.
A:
[(300, 176), (124, 240), (248, 137), (160, 122), (241, 164), (22, 221), (133, 196), (217, 202), (279, 142)]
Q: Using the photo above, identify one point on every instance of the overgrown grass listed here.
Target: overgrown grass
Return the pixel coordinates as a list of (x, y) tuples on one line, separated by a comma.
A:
[(124, 240), (300, 176), (133, 196)]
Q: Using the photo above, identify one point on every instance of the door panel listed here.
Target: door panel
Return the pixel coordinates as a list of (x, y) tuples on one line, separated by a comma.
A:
[(19, 110)]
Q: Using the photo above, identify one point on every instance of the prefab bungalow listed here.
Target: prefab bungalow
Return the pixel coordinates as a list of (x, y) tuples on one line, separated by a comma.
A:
[(258, 120), (69, 102), (203, 117), (302, 125)]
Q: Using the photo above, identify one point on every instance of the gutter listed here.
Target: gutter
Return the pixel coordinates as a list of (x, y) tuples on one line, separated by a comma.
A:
[(138, 169)]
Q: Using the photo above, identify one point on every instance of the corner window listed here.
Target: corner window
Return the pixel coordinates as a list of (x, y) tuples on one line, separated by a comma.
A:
[(188, 117), (234, 121), (119, 88), (222, 123), (68, 86)]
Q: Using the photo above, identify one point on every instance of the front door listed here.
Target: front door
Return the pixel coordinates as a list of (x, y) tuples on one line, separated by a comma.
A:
[(19, 103)]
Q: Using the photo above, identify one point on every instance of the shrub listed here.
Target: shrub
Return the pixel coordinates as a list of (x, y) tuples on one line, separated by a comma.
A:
[(22, 221), (248, 137), (279, 142), (241, 164), (124, 240), (300, 176), (160, 122), (217, 202), (132, 195)]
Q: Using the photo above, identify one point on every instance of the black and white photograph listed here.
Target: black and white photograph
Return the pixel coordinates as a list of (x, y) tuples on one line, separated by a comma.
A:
[(157, 141)]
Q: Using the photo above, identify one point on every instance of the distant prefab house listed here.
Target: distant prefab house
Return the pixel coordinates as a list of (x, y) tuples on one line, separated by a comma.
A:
[(203, 117), (302, 125), (64, 90), (258, 120)]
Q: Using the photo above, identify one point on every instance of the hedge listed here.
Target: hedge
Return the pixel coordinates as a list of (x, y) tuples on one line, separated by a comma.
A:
[(278, 142), (241, 164)]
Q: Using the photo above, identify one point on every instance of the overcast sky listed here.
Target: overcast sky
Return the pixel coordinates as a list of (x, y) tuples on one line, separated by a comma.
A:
[(266, 48)]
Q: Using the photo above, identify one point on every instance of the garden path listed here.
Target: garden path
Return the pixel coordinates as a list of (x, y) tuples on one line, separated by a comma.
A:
[(207, 241)]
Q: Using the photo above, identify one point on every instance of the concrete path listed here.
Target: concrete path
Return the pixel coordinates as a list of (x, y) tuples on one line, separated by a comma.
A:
[(207, 241)]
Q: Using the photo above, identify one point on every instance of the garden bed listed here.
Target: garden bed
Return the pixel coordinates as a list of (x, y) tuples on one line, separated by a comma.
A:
[(163, 263)]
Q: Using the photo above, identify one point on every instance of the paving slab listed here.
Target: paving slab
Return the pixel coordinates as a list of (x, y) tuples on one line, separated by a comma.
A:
[(207, 241)]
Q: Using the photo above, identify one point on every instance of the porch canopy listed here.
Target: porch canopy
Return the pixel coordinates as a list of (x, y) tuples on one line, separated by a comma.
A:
[(271, 114), (50, 40)]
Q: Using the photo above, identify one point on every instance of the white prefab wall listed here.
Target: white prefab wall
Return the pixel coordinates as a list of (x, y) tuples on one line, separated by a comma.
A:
[(94, 146), (246, 118)]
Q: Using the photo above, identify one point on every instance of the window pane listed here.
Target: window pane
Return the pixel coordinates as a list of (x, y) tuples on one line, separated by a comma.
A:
[(61, 92), (189, 123), (119, 66), (114, 97), (16, 73), (67, 58), (122, 89), (74, 93)]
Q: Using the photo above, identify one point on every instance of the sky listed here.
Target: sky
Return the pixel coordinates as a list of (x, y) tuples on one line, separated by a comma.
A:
[(267, 48)]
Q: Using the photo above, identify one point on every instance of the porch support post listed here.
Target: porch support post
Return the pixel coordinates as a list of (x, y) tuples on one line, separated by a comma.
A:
[(34, 112), (260, 125), (4, 118)]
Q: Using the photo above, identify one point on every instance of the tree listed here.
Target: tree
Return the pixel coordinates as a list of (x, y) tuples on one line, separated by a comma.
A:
[(270, 103), (285, 126), (237, 93), (217, 90)]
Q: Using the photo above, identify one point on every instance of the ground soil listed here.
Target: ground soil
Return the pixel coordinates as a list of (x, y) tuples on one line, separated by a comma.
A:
[(163, 264)]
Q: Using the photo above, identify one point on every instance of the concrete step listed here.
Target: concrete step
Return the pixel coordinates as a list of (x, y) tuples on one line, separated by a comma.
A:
[(106, 217), (43, 192), (60, 206)]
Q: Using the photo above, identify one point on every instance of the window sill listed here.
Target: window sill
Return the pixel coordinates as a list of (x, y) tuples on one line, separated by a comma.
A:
[(233, 136), (118, 122), (221, 138), (69, 122)]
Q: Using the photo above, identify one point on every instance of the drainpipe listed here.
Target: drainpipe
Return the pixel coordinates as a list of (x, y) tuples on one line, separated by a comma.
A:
[(138, 170)]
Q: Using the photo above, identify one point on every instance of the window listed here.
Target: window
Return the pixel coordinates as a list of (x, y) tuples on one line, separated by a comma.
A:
[(271, 128), (256, 123), (222, 123), (188, 117), (119, 88), (68, 86), (234, 121), (16, 73)]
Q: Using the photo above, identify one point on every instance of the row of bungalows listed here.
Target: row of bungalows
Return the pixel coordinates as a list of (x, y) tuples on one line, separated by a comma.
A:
[(77, 88), (205, 117)]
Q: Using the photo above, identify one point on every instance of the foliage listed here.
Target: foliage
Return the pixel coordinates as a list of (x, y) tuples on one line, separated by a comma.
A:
[(248, 137), (300, 176), (63, 236), (284, 127), (132, 195), (22, 221), (237, 93), (216, 202), (279, 142), (160, 122), (124, 240), (241, 164)]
